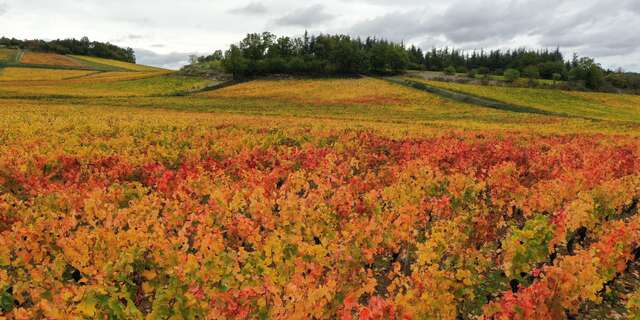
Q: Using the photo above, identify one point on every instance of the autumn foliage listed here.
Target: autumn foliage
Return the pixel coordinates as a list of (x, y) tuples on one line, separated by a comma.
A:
[(163, 215), (315, 199), (50, 59)]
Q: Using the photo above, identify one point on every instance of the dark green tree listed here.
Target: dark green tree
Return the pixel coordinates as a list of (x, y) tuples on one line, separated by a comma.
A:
[(511, 75), (235, 63), (588, 71), (450, 70), (531, 72)]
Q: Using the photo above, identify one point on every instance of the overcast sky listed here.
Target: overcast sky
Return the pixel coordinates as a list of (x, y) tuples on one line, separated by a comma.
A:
[(165, 32)]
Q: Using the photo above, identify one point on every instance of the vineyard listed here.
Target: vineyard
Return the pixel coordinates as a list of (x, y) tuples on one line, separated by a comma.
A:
[(7, 54), (34, 74), (312, 199), (586, 104), (106, 84), (49, 59), (116, 64)]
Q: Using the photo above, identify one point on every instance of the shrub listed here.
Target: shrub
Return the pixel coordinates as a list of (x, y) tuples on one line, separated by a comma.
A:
[(235, 63), (472, 73), (276, 65), (297, 65), (511, 75), (623, 80), (415, 66), (589, 72), (450, 70), (531, 72), (548, 69), (483, 71)]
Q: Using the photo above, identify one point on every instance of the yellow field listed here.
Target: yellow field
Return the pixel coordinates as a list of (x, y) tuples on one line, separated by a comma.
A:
[(36, 74), (110, 84), (346, 92), (360, 91), (117, 64), (364, 99), (615, 101), (112, 76), (379, 100), (586, 104), (50, 59)]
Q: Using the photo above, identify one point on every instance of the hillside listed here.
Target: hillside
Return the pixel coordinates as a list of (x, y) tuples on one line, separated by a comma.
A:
[(365, 98), (593, 105), (131, 192), (31, 59), (71, 46)]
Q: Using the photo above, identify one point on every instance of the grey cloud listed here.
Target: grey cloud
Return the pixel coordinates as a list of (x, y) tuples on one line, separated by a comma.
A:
[(612, 38), (600, 30), (173, 60), (501, 21), (129, 37), (387, 3), (460, 22), (628, 5), (254, 8), (600, 27), (305, 17), (393, 26), (3, 8), (431, 42), (473, 22)]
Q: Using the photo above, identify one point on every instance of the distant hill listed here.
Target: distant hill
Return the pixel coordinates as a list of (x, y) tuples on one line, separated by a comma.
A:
[(84, 47), (35, 59)]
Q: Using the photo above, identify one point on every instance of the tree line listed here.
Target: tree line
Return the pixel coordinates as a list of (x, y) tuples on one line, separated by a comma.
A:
[(83, 47), (531, 64), (265, 53), (261, 54), (579, 72), (494, 61)]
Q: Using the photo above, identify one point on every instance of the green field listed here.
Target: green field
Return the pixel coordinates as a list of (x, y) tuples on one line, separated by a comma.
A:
[(602, 106)]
